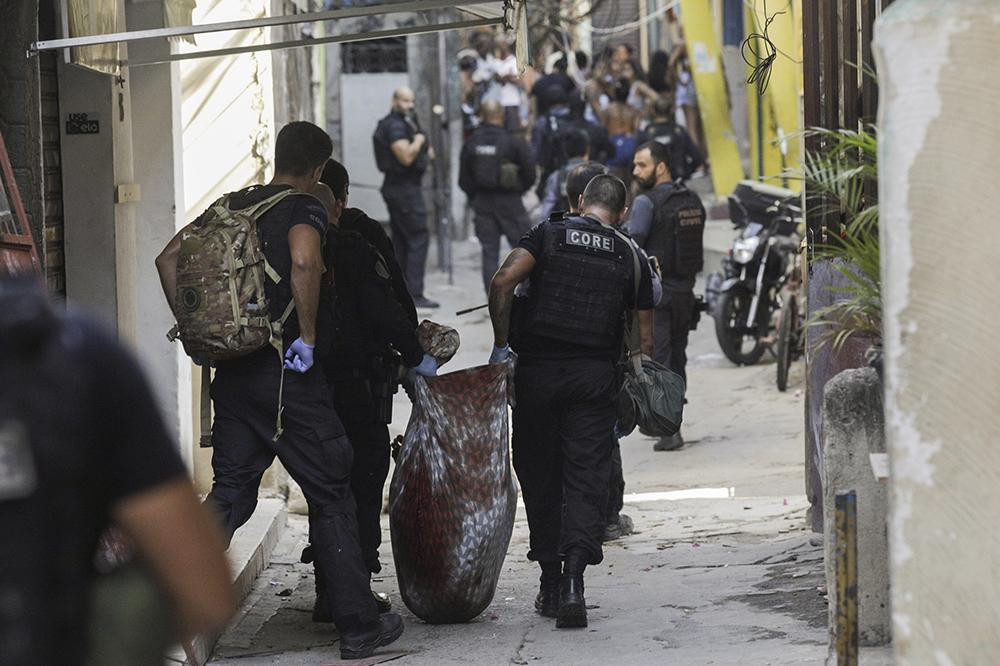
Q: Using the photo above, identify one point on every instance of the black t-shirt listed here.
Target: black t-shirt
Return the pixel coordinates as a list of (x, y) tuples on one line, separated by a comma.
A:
[(356, 220), (396, 127), (273, 228), (552, 88), (539, 346), (78, 403)]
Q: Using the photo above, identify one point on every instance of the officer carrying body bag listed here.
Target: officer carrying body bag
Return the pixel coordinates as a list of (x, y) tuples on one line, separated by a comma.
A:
[(222, 309), (652, 396)]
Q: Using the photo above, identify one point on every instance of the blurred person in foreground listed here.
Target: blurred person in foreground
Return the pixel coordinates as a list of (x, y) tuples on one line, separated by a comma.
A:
[(83, 447)]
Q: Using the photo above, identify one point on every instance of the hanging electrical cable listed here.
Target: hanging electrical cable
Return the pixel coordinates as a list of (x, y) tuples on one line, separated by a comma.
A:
[(760, 59)]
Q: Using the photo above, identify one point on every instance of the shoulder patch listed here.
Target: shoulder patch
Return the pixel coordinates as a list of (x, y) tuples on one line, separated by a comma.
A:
[(380, 269)]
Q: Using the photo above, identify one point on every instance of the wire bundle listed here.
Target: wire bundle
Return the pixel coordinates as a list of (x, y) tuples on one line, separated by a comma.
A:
[(760, 59)]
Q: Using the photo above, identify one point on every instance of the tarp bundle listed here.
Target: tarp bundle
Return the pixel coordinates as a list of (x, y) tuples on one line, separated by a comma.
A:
[(452, 498)]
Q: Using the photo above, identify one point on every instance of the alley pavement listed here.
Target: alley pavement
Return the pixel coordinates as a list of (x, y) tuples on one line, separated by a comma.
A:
[(720, 570)]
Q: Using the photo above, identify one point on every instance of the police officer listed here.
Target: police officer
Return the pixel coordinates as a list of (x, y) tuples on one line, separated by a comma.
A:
[(245, 391), (685, 157), (576, 143), (617, 524), (402, 153), (546, 136), (568, 341), (668, 221), (366, 330), (495, 168)]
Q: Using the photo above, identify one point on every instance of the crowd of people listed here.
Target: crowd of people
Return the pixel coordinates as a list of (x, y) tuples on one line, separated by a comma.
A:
[(611, 98)]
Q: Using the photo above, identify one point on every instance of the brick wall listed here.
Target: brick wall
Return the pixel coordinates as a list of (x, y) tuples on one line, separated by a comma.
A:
[(20, 120)]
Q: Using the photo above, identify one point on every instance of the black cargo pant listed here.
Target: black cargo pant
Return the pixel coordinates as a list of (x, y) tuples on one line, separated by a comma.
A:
[(316, 453), (410, 237), (370, 440), (498, 214), (671, 327), (562, 452)]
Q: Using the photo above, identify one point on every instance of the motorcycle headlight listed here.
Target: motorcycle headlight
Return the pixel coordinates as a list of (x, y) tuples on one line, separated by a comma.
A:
[(744, 249)]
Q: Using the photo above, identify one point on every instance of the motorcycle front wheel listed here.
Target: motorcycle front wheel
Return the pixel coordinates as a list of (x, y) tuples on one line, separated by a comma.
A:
[(739, 346)]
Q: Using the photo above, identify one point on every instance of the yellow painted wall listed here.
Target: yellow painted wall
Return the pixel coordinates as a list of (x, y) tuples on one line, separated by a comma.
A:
[(781, 105), (704, 54)]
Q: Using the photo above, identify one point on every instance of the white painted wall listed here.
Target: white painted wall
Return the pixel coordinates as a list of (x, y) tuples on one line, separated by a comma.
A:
[(941, 267), (156, 133), (364, 100)]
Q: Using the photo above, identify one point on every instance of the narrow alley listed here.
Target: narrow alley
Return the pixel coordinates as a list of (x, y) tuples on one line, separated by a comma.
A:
[(721, 568)]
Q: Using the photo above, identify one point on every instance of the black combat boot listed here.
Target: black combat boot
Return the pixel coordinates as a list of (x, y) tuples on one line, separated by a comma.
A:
[(363, 641), (547, 601), (572, 606)]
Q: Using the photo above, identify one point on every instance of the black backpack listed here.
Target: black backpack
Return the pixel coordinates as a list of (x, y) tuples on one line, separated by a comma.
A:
[(383, 153), (551, 152)]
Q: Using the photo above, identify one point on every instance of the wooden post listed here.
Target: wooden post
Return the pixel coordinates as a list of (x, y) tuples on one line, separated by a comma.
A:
[(850, 62), (846, 507), (869, 86)]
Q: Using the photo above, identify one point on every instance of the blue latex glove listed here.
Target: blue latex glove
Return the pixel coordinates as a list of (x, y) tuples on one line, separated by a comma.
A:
[(500, 354), (428, 367), (299, 356)]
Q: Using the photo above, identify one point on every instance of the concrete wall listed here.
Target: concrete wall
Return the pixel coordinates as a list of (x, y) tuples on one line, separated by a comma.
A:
[(941, 266), (156, 134), (854, 428), (88, 193)]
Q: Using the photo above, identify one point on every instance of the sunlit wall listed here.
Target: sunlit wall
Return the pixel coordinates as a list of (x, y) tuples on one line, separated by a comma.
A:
[(227, 108)]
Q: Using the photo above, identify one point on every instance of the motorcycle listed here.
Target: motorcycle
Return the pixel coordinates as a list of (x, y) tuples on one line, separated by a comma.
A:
[(746, 296)]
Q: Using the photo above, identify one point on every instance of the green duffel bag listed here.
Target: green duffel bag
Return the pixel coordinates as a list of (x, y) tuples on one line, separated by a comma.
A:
[(651, 398)]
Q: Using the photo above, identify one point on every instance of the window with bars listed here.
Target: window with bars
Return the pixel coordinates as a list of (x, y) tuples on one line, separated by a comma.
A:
[(374, 56)]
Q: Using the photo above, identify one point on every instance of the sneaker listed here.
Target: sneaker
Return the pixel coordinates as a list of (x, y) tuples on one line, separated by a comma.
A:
[(424, 302), (671, 443), (363, 642), (547, 601), (572, 606)]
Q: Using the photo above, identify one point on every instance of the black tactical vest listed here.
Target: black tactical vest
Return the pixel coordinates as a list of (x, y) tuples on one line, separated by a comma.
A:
[(676, 237), (491, 160), (579, 287)]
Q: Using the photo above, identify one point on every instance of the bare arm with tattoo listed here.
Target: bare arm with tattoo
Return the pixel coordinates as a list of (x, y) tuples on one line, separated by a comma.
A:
[(516, 268)]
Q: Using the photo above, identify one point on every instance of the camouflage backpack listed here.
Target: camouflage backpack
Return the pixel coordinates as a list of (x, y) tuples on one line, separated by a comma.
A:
[(222, 311), (221, 307)]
